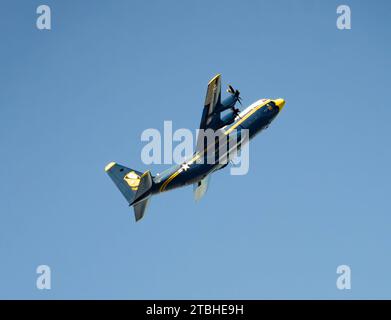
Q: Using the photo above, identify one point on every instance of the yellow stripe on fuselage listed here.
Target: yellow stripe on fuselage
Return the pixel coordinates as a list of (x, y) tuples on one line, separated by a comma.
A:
[(164, 185), (228, 131), (246, 116)]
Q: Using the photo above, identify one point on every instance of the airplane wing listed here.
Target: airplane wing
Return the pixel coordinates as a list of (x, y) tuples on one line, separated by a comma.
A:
[(201, 187), (212, 100), (210, 118)]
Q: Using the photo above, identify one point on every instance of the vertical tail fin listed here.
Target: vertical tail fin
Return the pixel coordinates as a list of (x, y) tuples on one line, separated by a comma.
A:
[(134, 186)]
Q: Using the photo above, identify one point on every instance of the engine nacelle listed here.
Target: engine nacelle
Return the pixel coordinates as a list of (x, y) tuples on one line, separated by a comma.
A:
[(228, 117), (229, 102)]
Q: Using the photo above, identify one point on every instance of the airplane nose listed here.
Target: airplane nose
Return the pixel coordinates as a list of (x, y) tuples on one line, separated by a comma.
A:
[(280, 103)]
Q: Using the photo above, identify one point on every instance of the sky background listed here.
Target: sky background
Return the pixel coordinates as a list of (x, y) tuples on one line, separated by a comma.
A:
[(78, 96)]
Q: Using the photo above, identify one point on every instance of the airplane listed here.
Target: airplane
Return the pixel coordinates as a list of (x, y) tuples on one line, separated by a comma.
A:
[(221, 116)]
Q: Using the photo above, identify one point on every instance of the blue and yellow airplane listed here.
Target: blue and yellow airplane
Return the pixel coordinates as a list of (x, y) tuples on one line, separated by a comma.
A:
[(222, 116)]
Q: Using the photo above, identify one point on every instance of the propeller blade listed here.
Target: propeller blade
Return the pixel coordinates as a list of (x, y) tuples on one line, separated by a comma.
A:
[(236, 112), (236, 93)]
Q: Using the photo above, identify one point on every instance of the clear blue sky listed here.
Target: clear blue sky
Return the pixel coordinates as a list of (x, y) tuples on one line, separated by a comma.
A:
[(76, 97)]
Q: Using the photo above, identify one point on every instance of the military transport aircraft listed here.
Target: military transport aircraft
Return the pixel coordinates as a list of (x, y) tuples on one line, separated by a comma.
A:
[(221, 116)]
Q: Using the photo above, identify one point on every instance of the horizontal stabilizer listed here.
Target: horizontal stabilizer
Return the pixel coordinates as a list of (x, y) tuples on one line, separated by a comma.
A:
[(144, 187), (142, 196), (139, 208)]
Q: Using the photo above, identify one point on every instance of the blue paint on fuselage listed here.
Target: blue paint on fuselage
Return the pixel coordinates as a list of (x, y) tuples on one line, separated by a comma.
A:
[(255, 123)]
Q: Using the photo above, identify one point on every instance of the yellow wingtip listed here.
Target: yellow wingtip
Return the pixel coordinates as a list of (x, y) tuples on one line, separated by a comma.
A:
[(214, 78), (109, 166)]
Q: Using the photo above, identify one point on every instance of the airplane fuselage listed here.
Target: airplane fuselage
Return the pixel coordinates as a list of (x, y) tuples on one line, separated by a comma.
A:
[(223, 135), (255, 118)]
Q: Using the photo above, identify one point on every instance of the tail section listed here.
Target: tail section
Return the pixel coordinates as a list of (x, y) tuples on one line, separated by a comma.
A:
[(134, 186), (143, 194), (139, 209)]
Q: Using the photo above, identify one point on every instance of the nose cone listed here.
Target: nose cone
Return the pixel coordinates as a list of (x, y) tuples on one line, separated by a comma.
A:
[(280, 103)]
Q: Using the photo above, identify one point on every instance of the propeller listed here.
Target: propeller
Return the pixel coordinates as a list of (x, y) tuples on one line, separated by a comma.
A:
[(236, 94)]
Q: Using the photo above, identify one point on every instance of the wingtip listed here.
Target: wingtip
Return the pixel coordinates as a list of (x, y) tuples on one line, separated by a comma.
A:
[(214, 78), (109, 166)]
